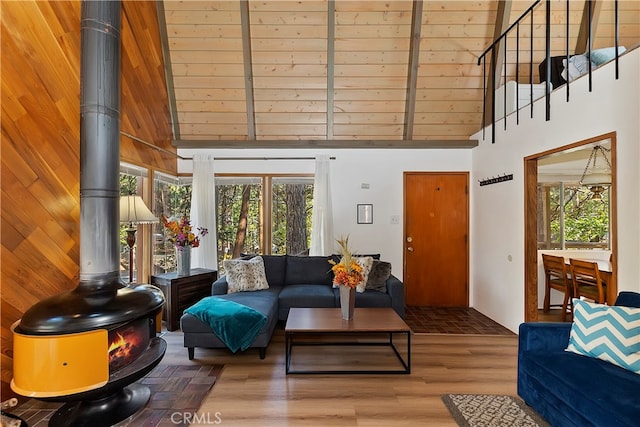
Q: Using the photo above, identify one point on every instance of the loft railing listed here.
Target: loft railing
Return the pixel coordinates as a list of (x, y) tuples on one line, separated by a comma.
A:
[(492, 53)]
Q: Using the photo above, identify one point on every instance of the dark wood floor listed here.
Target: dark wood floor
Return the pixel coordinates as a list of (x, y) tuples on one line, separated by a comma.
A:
[(452, 320), (463, 320)]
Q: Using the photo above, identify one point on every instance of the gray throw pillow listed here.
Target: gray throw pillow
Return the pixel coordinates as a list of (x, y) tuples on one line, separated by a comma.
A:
[(380, 272)]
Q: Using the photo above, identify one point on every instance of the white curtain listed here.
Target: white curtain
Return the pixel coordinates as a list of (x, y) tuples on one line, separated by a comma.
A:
[(322, 238), (203, 212)]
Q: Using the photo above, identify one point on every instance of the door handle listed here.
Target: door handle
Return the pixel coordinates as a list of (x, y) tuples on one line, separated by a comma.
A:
[(410, 249)]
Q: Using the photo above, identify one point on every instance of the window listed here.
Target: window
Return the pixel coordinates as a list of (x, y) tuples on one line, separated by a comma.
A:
[(265, 214), (292, 204), (172, 198), (573, 217), (239, 203)]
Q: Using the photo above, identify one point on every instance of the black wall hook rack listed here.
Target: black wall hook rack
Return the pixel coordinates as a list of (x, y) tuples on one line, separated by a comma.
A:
[(495, 180)]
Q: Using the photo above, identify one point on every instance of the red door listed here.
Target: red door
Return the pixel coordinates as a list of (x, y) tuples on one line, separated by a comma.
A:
[(436, 242)]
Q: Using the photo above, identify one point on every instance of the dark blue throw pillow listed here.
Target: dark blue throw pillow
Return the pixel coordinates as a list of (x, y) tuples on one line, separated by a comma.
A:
[(628, 299)]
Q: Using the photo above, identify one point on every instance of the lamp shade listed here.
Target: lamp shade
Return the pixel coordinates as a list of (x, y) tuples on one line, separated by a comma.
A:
[(134, 211), (596, 178)]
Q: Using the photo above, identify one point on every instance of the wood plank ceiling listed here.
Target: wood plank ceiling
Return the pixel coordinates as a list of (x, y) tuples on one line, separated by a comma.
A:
[(323, 70), (357, 73)]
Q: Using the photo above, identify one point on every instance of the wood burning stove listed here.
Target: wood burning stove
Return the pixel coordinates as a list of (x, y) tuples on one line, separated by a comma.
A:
[(89, 354), (89, 345)]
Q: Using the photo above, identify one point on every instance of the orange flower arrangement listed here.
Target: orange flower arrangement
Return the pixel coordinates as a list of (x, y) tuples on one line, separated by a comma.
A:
[(181, 232), (347, 272)]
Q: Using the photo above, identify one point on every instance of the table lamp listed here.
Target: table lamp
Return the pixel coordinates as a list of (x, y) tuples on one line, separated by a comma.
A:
[(134, 211)]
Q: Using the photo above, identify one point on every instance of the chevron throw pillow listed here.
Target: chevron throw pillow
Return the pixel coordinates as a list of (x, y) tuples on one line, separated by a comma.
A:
[(610, 333)]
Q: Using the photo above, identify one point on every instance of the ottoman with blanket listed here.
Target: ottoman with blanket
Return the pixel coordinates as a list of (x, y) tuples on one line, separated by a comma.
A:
[(267, 286)]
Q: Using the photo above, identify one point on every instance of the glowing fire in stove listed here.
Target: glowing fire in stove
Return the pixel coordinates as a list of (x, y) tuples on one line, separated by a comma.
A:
[(126, 344), (120, 349), (118, 343)]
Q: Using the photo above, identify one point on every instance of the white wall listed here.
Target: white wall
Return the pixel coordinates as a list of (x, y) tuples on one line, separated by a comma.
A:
[(497, 229), (382, 169)]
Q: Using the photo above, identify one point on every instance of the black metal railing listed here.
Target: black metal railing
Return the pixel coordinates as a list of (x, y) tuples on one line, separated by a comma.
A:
[(493, 48)]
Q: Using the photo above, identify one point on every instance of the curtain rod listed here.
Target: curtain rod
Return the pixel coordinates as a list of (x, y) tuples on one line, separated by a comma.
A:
[(142, 141), (267, 158)]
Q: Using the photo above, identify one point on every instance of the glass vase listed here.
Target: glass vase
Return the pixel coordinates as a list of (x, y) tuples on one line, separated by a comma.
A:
[(183, 260)]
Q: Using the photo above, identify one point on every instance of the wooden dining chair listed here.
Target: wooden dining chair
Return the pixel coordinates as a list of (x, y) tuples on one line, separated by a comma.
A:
[(555, 272), (585, 276)]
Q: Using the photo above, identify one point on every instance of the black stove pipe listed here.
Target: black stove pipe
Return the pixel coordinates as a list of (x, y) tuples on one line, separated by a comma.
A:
[(100, 146), (100, 300)]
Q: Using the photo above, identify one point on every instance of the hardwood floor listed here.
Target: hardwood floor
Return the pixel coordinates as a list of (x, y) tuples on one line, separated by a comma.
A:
[(254, 392), (553, 315)]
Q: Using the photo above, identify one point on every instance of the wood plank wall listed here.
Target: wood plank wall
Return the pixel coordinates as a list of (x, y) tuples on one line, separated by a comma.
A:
[(40, 59)]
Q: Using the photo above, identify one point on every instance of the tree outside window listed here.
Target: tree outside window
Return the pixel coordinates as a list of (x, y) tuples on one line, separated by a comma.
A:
[(172, 199), (240, 210), (572, 218), (291, 215), (264, 214), (267, 214)]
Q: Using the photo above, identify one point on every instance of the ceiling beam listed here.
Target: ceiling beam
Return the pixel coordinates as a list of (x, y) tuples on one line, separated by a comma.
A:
[(331, 42), (582, 42), (248, 69), (412, 72), (168, 73), (332, 144), (497, 56)]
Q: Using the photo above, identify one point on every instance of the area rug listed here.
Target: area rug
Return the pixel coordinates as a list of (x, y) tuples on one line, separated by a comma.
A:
[(488, 410), (177, 391)]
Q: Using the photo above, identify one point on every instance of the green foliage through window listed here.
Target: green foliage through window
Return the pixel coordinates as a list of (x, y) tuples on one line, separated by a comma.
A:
[(130, 183), (264, 214), (573, 217), (172, 199)]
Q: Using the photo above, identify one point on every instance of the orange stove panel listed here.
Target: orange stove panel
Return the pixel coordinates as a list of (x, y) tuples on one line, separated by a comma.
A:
[(59, 365)]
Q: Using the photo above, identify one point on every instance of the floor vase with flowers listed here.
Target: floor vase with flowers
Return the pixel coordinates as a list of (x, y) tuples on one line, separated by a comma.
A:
[(347, 301)]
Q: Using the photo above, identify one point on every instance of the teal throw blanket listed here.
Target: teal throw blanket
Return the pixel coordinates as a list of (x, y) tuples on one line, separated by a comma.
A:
[(234, 324)]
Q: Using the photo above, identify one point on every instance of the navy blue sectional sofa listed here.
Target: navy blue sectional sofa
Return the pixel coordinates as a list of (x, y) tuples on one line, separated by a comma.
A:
[(294, 281), (569, 389)]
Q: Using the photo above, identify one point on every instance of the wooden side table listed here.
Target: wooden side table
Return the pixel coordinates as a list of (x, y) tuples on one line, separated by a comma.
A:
[(182, 292)]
